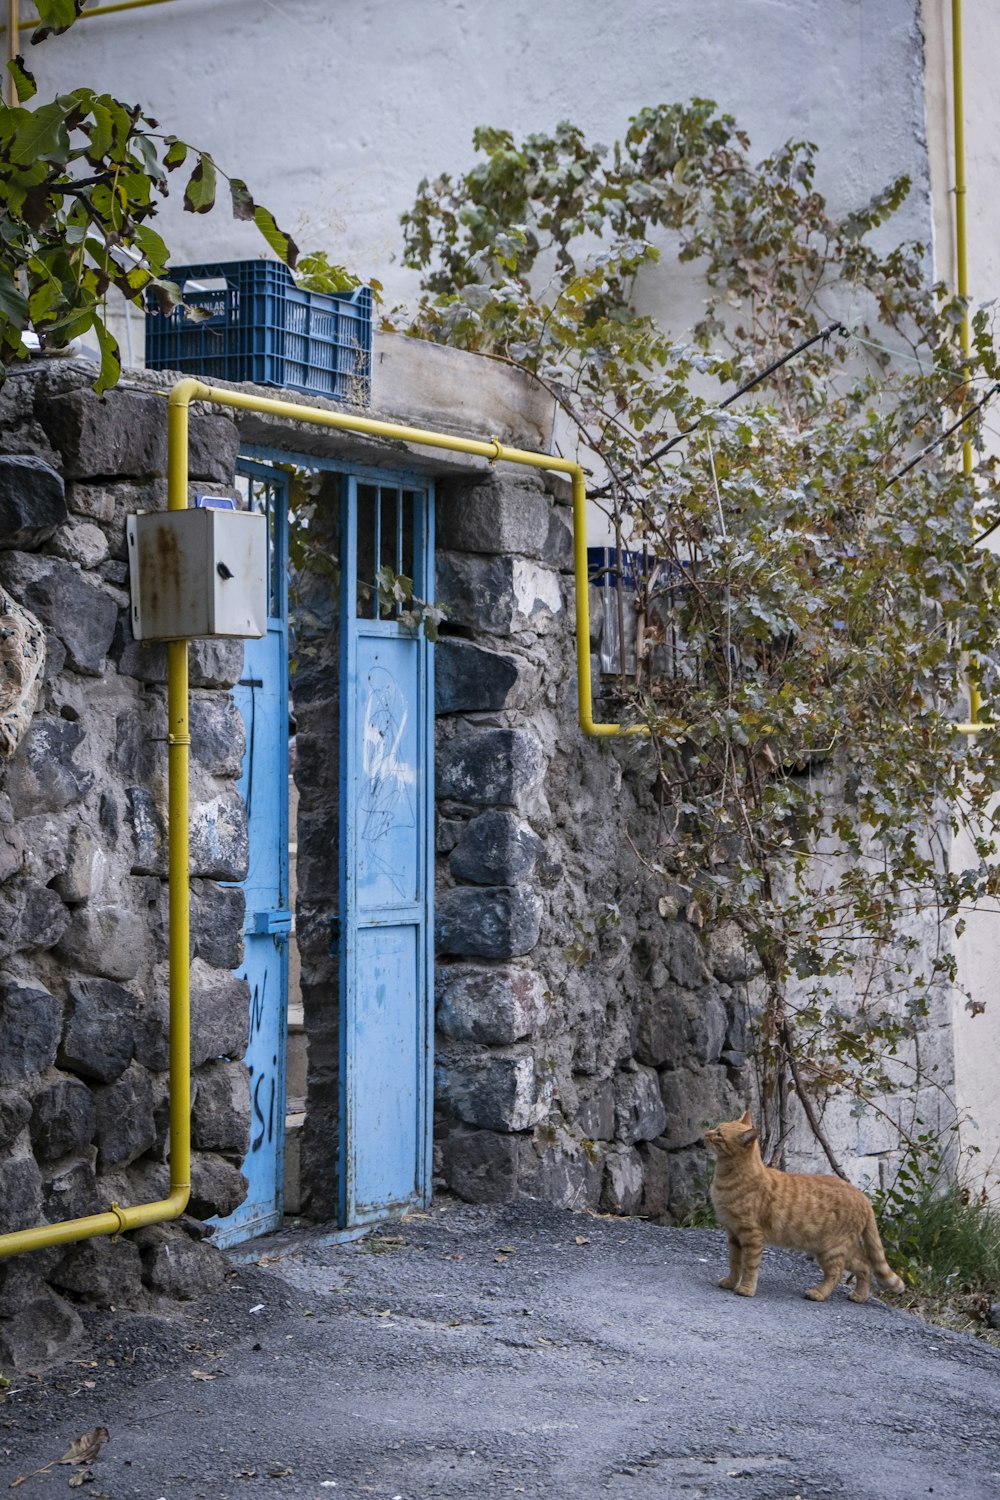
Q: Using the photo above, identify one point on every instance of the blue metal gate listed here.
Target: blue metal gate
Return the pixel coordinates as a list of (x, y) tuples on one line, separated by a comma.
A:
[(383, 931), (262, 698)]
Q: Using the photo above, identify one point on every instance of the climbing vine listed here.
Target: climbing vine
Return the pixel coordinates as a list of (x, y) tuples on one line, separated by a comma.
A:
[(805, 600)]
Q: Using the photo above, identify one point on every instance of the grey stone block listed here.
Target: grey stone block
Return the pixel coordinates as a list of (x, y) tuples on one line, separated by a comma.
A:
[(80, 613), (495, 849), (123, 436), (31, 917), (101, 1272), (664, 1017), (30, 1025), (500, 515), (45, 1330), (99, 1038), (43, 775), (554, 1169), (11, 842), (490, 767), (217, 1187), (149, 832), (83, 855), (220, 1014), (219, 846), (478, 592), (694, 1100), (686, 956), (220, 1119), (32, 501), (125, 1124), (213, 447), (83, 543), (62, 1118), (104, 940), (639, 1112), (488, 921), (217, 916), (469, 679), (218, 738), (183, 1268), (15, 1113), (730, 957), (690, 1177), (655, 1202), (494, 1005), (70, 1191), (623, 1178), (20, 1193), (503, 596), (493, 1090), (595, 1116), (480, 1166)]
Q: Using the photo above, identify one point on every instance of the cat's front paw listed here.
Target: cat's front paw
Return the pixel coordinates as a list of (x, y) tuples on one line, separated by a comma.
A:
[(744, 1291), (727, 1283)]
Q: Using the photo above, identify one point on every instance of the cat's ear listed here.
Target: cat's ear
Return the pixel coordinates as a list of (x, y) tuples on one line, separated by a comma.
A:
[(747, 1137), (746, 1120)]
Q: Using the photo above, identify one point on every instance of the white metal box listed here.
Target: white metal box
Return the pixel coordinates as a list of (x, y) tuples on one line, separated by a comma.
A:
[(197, 572)]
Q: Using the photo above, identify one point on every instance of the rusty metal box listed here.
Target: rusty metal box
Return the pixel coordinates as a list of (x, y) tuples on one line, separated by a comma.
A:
[(198, 572)]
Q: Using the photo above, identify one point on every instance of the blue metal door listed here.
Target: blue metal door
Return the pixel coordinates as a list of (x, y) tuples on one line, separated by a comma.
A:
[(384, 927), (262, 698)]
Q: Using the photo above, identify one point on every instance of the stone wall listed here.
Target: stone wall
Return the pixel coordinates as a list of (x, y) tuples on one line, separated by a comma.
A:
[(83, 923), (586, 1029)]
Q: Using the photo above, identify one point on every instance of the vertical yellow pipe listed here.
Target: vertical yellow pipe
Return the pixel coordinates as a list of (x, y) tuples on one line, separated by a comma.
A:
[(178, 755), (961, 251)]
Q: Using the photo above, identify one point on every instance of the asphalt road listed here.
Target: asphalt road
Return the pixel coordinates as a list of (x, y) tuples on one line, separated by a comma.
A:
[(477, 1353)]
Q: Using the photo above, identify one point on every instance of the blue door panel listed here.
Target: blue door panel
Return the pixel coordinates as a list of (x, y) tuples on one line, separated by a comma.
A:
[(262, 698), (388, 1039), (385, 926)]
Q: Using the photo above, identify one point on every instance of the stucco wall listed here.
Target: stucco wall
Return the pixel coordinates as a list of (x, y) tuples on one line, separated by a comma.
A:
[(976, 1035), (334, 113)]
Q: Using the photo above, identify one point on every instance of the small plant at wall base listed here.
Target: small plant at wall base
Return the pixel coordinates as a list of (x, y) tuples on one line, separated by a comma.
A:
[(80, 179), (808, 598)]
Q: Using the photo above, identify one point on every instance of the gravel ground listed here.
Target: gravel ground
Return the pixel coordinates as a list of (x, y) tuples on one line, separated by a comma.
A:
[(474, 1353)]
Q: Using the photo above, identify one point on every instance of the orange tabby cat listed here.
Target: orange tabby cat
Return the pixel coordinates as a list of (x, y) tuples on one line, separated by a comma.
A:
[(824, 1215)]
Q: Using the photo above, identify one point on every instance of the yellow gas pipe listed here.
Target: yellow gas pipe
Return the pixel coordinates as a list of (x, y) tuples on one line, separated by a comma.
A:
[(962, 274), (178, 741)]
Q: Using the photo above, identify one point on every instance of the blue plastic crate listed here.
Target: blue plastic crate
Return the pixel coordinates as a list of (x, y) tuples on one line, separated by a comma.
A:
[(263, 328)]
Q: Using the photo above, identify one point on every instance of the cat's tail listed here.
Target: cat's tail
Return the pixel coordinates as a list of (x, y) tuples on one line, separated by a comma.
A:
[(872, 1241)]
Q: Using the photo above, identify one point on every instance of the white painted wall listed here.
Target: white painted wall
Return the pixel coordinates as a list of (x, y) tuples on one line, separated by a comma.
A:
[(976, 1037), (334, 112)]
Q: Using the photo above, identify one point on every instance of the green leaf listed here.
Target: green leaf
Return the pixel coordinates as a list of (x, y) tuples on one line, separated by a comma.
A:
[(243, 204), (153, 248), (111, 365), (176, 154), (199, 195), (102, 133), (13, 304), (56, 17), (281, 243), (43, 133), (24, 81)]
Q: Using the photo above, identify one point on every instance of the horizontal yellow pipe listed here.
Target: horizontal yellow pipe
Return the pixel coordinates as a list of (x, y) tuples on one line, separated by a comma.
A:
[(96, 10), (186, 391)]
